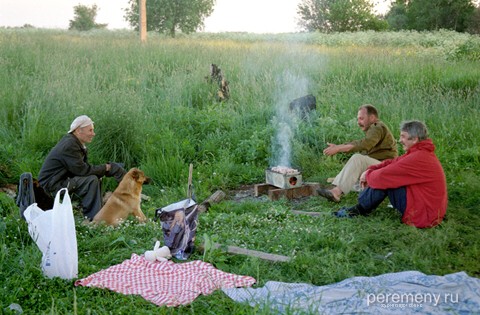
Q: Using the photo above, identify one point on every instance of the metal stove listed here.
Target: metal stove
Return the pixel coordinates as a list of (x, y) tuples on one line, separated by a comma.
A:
[(283, 177)]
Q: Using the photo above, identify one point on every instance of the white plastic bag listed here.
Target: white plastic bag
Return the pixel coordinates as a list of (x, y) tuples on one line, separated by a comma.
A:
[(55, 235), (38, 219)]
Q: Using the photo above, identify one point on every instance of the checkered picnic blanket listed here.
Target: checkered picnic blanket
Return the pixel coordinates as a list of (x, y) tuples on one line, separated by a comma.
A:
[(164, 283)]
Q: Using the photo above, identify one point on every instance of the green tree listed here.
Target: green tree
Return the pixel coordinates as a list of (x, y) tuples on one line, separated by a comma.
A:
[(427, 15), (434, 15), (397, 16), (84, 18), (338, 16), (170, 16), (474, 25), (314, 15)]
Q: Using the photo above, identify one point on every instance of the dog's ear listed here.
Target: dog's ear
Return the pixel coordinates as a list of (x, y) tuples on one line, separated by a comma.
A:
[(135, 174)]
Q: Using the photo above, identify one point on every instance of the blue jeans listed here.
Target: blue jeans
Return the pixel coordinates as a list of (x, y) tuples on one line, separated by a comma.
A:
[(370, 198)]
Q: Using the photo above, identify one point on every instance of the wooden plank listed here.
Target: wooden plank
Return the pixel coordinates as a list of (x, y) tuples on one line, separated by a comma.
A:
[(189, 187), (275, 193), (252, 253), (310, 213), (291, 193), (262, 189)]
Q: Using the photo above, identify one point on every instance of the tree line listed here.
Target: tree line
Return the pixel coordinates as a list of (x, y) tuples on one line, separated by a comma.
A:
[(187, 16)]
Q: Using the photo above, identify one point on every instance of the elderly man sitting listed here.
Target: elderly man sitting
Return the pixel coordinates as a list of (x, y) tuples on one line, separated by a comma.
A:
[(67, 166)]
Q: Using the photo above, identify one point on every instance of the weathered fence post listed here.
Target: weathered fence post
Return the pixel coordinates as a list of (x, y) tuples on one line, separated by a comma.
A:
[(143, 21)]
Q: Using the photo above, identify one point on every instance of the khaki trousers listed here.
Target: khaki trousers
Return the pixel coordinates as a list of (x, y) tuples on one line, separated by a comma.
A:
[(348, 177)]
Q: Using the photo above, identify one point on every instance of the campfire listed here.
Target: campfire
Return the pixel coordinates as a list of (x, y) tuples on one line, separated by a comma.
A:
[(283, 177)]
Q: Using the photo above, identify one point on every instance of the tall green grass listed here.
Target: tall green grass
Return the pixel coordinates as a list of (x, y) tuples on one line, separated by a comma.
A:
[(154, 108)]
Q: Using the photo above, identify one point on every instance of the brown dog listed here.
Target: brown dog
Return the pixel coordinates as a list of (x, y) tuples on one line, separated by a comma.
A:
[(125, 200)]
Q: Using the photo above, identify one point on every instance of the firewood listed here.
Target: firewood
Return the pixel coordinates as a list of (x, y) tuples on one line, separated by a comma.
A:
[(216, 197)]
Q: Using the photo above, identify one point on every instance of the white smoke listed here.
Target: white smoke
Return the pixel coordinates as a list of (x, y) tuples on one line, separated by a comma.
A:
[(285, 122)]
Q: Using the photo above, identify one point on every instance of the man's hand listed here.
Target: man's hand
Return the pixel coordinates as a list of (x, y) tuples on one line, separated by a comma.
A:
[(336, 148), (363, 180), (332, 149), (108, 167)]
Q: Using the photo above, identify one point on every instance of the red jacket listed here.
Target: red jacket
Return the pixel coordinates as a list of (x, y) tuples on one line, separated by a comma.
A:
[(420, 171)]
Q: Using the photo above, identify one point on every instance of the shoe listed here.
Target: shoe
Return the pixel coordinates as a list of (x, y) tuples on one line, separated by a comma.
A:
[(325, 193), (350, 212), (343, 213)]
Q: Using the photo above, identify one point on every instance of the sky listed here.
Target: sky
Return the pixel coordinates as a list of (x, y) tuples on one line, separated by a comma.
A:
[(253, 16)]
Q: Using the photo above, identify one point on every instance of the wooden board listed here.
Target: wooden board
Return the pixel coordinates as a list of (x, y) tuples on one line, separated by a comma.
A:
[(310, 213), (275, 193), (252, 253), (262, 189)]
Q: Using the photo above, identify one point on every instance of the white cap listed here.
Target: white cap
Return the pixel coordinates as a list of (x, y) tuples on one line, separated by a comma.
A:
[(80, 122)]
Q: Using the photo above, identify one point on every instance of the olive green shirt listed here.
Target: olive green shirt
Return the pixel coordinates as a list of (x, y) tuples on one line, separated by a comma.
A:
[(379, 143)]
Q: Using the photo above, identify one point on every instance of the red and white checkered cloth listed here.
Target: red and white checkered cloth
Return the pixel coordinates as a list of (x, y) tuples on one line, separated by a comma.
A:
[(164, 283)]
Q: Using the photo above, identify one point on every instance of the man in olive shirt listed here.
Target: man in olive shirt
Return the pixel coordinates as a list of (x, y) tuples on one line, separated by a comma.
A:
[(379, 144)]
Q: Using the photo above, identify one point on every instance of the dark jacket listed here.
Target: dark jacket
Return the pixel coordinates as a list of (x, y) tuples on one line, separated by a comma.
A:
[(67, 159)]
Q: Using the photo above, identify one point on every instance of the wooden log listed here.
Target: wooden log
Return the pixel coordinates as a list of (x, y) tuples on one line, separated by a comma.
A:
[(216, 197), (251, 253)]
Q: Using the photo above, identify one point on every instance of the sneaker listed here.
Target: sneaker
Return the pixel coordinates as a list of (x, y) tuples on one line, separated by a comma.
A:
[(342, 213), (350, 212)]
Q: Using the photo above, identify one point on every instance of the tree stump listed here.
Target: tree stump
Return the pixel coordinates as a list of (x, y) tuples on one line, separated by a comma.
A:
[(217, 76), (304, 105)]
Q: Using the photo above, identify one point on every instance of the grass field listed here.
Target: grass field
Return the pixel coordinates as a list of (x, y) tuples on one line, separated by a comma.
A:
[(154, 109)]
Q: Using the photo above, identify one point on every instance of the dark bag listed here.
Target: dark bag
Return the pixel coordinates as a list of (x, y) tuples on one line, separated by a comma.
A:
[(29, 192), (179, 225), (26, 195)]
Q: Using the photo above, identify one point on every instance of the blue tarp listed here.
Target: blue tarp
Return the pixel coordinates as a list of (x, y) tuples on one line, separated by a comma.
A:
[(394, 293)]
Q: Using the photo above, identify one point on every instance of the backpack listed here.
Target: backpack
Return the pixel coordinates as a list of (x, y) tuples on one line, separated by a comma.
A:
[(29, 192)]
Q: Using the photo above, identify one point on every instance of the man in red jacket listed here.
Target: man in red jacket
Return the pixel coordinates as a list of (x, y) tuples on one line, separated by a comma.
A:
[(414, 182)]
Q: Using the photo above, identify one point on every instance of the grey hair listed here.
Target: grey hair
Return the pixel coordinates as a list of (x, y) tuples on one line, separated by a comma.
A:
[(415, 129)]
